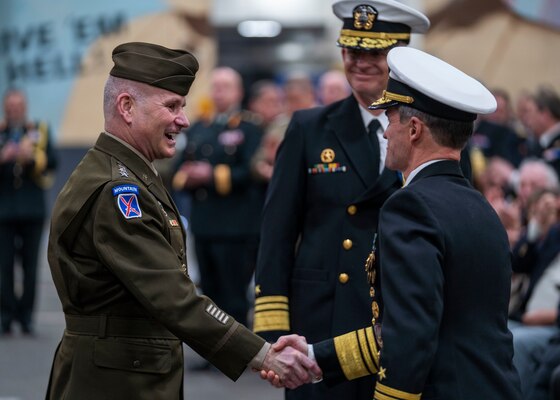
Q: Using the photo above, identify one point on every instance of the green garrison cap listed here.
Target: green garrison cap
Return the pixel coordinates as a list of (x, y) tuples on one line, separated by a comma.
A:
[(155, 65)]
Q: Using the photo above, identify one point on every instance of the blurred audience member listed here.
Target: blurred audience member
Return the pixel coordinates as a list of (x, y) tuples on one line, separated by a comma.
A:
[(504, 114), (496, 185), (534, 175), (544, 121), (300, 92), (544, 382), (333, 86), (494, 133), (26, 160), (533, 322), (523, 107), (300, 95), (266, 100), (215, 169)]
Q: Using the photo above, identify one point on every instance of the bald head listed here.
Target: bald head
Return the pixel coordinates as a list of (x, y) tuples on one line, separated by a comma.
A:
[(226, 89), (333, 86)]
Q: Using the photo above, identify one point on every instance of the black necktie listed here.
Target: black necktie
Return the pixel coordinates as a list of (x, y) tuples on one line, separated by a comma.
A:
[(372, 135)]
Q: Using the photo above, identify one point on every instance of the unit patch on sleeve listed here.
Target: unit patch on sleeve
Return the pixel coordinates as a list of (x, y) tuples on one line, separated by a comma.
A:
[(127, 200)]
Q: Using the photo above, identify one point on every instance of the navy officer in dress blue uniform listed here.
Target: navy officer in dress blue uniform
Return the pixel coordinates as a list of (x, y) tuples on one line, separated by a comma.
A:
[(322, 205), (445, 264)]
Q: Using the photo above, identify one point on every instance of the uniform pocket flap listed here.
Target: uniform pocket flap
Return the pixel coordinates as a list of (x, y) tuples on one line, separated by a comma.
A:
[(130, 356)]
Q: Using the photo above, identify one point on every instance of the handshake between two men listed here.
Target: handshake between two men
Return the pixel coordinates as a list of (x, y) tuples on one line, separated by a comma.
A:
[(287, 363)]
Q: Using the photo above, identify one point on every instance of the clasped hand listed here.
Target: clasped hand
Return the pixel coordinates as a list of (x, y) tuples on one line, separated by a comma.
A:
[(287, 364)]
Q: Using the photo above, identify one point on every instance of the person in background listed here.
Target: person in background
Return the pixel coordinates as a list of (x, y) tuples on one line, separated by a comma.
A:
[(544, 121), (333, 86), (27, 162), (266, 100), (215, 170), (322, 205), (117, 253), (533, 322), (299, 95)]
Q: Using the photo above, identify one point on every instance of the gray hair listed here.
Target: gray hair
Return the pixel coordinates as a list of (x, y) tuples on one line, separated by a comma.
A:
[(548, 171), (113, 88), (446, 132)]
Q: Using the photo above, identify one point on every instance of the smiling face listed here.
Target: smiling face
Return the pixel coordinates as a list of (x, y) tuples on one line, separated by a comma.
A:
[(156, 119), (367, 72)]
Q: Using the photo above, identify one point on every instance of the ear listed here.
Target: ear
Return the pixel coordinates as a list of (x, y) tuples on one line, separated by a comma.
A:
[(125, 104), (416, 129)]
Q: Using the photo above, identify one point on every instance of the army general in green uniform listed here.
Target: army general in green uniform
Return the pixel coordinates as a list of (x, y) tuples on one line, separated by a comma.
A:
[(117, 253)]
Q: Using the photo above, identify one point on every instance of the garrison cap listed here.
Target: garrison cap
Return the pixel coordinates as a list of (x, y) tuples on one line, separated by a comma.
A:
[(155, 65), (426, 83), (377, 24)]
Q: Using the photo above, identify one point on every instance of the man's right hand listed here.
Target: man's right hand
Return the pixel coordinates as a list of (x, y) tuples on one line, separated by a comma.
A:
[(289, 367)]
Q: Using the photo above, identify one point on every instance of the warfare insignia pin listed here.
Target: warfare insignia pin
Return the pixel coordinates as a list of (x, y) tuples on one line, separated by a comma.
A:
[(327, 156), (127, 200)]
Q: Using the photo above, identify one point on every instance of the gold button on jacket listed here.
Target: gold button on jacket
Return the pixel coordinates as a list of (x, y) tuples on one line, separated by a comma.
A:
[(347, 244), (343, 278), (352, 210)]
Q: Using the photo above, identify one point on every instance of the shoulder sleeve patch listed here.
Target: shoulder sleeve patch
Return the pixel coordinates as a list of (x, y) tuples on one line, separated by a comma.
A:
[(127, 200)]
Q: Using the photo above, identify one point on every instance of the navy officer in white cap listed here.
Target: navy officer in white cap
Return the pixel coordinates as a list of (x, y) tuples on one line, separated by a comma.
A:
[(323, 201), (445, 266)]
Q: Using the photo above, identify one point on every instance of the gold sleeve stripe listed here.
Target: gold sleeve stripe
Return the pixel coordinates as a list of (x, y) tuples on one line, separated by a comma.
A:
[(271, 306), (349, 350), (271, 299), (366, 352), (222, 179), (383, 392), (271, 321), (372, 347)]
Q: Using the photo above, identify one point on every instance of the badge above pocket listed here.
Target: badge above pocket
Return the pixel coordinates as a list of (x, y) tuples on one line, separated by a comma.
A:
[(327, 166)]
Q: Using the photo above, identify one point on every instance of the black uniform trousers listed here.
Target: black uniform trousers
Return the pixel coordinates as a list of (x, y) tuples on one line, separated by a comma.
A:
[(21, 237), (226, 267)]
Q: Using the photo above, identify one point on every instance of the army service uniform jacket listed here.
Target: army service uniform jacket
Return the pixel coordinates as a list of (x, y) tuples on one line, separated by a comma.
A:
[(319, 222), (445, 273), (117, 256)]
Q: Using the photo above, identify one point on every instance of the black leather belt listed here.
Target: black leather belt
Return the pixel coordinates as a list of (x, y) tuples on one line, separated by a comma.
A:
[(103, 326)]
